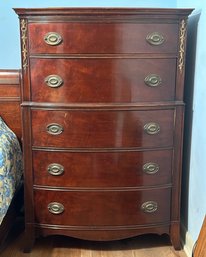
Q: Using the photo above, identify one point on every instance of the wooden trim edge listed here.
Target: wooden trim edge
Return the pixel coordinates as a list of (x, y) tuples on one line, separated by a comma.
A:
[(10, 77)]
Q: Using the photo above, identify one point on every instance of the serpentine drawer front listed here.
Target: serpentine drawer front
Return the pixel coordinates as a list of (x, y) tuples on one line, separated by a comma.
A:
[(129, 208), (102, 80), (110, 38), (115, 169), (102, 101), (110, 129)]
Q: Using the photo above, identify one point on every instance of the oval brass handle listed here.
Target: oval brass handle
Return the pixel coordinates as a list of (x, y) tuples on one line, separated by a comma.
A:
[(155, 38), (55, 169), (152, 128), (149, 207), (53, 81), (53, 38), (150, 168), (55, 208), (54, 129), (153, 80)]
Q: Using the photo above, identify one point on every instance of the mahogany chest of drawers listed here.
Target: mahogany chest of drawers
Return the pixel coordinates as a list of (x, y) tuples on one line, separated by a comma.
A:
[(102, 105)]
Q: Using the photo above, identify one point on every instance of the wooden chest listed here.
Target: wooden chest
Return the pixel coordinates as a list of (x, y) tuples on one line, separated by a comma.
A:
[(102, 103)]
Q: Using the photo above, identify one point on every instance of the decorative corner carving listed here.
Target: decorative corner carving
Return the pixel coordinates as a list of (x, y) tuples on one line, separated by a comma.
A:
[(182, 45), (24, 43)]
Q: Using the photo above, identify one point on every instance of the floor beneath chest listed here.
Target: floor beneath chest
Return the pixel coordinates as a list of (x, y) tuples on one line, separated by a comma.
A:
[(60, 246)]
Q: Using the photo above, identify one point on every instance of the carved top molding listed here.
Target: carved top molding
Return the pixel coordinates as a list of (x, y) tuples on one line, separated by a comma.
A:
[(101, 13), (102, 10)]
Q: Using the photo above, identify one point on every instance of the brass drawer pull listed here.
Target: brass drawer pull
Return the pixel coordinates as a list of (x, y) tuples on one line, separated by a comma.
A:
[(52, 38), (153, 80), (54, 129), (55, 169), (53, 81), (152, 128), (149, 207), (55, 208), (155, 38), (150, 168)]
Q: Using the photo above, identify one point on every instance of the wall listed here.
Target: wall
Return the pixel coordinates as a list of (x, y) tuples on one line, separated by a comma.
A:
[(9, 29), (195, 202)]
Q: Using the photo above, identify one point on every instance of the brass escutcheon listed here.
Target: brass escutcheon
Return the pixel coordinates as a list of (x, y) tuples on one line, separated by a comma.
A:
[(55, 169), (55, 208), (53, 38), (155, 38), (54, 129), (152, 128), (149, 207), (150, 168), (53, 81), (153, 80)]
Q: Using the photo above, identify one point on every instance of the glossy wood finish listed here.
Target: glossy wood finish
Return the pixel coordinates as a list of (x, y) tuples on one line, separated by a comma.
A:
[(102, 38), (106, 129), (10, 78), (107, 208), (10, 100), (99, 112), (102, 169), (103, 80), (105, 234)]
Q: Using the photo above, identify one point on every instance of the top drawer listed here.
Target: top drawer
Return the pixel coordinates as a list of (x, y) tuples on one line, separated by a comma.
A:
[(102, 38)]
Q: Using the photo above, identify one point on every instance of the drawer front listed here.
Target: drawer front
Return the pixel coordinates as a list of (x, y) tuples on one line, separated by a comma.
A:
[(102, 208), (100, 169), (102, 80), (90, 38), (102, 129)]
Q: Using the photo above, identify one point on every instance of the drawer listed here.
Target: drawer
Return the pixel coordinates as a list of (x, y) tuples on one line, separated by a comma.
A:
[(102, 129), (102, 80), (90, 38), (102, 208), (102, 169)]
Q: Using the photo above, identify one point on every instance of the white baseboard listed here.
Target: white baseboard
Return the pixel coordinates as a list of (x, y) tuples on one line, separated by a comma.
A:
[(187, 241)]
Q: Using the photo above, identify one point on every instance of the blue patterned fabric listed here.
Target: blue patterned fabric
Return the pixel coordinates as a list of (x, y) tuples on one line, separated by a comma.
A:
[(10, 167)]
